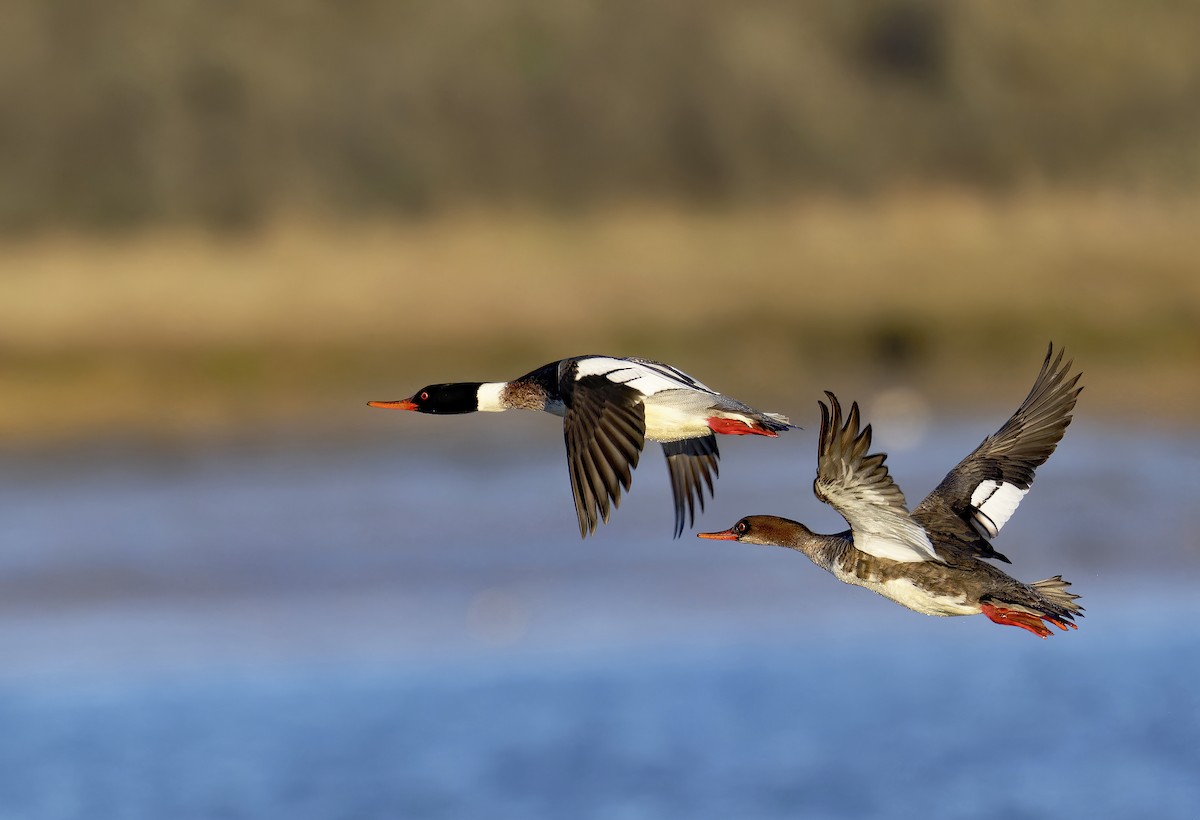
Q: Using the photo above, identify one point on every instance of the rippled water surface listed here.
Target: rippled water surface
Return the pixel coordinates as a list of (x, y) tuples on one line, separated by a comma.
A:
[(412, 628)]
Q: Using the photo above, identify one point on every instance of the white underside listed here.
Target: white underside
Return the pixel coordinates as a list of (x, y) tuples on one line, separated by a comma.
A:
[(670, 423), (906, 593)]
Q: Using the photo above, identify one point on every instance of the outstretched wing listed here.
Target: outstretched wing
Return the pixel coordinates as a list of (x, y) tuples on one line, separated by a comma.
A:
[(605, 429), (859, 487), (692, 464), (976, 498)]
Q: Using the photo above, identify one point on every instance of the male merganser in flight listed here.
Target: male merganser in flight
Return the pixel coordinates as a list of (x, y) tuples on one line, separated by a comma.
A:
[(610, 406), (932, 560)]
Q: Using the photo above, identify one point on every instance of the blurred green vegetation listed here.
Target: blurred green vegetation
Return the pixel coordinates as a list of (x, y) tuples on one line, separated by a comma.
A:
[(136, 112)]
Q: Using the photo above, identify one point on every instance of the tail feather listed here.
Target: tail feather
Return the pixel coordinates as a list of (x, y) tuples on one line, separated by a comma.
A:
[(1054, 590), (776, 422), (1048, 602)]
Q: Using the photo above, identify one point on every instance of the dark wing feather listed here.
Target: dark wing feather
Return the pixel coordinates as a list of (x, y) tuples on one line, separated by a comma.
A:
[(605, 429), (976, 498), (692, 464)]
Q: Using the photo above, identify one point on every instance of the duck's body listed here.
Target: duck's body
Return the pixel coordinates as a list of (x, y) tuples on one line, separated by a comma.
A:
[(957, 585), (933, 560), (610, 407)]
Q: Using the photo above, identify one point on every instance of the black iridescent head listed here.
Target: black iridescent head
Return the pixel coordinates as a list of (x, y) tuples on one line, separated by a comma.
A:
[(439, 399), (447, 399)]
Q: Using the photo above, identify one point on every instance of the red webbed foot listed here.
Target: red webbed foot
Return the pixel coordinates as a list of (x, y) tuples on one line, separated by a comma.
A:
[(1024, 620)]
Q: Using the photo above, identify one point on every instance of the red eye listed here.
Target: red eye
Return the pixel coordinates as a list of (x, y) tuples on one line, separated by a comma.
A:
[(424, 396)]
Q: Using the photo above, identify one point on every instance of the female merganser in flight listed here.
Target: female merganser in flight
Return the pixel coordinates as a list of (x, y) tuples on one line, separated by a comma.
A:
[(932, 560), (610, 406)]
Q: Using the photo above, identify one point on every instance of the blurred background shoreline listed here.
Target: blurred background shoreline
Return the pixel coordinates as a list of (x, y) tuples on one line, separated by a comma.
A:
[(180, 332)]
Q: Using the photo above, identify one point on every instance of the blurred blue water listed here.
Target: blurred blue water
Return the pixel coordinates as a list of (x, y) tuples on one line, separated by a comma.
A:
[(873, 727), (408, 629)]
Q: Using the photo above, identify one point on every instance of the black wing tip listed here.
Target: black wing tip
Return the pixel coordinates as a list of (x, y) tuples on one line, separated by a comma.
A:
[(832, 425), (835, 412), (986, 550), (1055, 390), (1060, 372), (587, 524), (604, 432), (692, 465), (831, 418)]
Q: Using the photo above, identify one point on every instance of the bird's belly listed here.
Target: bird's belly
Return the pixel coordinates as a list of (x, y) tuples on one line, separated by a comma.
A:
[(668, 423), (907, 593)]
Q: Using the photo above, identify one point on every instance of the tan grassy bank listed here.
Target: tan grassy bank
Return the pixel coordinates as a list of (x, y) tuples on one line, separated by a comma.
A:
[(182, 331)]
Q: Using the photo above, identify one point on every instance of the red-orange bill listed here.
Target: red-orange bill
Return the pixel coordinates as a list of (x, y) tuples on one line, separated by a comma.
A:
[(724, 535), (402, 404)]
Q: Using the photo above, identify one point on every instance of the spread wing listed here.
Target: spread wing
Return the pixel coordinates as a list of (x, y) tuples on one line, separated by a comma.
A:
[(859, 487), (976, 498), (605, 428), (692, 464)]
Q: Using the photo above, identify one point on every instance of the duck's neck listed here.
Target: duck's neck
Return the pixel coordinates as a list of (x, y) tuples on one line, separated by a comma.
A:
[(822, 550), (490, 397)]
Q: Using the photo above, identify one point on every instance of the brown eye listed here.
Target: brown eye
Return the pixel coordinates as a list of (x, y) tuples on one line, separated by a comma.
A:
[(424, 395)]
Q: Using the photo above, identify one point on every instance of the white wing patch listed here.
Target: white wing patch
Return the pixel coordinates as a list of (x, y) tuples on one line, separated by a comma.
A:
[(647, 378), (994, 503)]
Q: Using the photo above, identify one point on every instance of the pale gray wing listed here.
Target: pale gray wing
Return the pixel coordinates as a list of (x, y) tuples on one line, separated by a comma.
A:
[(859, 487)]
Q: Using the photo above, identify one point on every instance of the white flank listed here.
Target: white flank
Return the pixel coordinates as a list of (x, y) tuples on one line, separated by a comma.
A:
[(906, 592), (995, 502), (667, 423), (488, 397), (903, 591)]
